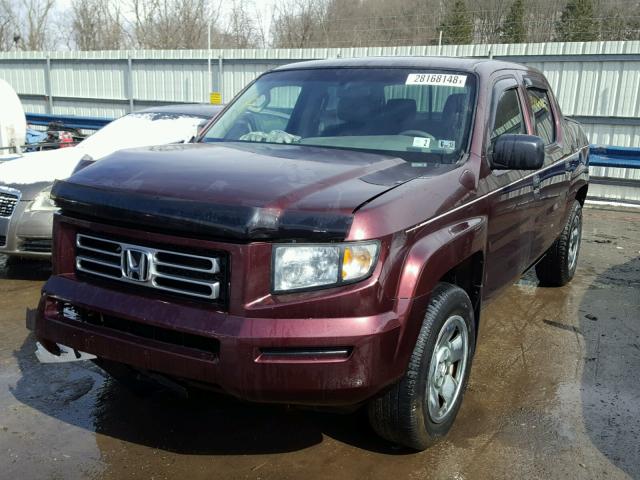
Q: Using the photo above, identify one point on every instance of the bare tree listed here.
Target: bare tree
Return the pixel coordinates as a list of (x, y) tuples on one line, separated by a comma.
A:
[(8, 27), (346, 23), (36, 24), (540, 21), (332, 23), (96, 25), (183, 24), (298, 23), (242, 30), (488, 18), (173, 24), (621, 24), (261, 26)]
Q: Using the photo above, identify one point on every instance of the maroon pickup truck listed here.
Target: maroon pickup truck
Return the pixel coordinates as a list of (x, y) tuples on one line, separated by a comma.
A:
[(330, 240)]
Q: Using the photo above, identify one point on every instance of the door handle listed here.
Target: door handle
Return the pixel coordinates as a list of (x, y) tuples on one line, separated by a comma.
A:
[(536, 186), (536, 182)]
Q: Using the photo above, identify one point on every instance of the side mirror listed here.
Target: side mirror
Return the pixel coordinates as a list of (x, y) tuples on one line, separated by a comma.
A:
[(517, 152)]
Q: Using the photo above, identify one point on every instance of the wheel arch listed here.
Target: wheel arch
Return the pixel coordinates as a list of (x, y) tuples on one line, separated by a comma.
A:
[(442, 255), (469, 275)]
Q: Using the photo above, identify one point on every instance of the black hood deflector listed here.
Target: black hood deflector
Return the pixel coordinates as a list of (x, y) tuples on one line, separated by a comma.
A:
[(202, 219)]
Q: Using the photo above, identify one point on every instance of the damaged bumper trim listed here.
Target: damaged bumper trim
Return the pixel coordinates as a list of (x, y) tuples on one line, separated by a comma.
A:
[(66, 354)]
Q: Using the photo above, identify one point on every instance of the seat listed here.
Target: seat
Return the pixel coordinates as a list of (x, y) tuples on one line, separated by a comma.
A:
[(399, 115), (356, 113), (450, 127)]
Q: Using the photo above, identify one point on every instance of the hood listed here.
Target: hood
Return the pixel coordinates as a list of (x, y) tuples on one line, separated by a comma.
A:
[(234, 190), (38, 167)]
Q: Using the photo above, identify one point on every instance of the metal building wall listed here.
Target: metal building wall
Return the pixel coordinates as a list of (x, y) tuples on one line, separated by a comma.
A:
[(596, 82)]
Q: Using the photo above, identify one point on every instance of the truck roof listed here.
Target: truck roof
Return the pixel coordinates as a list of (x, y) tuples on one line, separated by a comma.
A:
[(482, 66)]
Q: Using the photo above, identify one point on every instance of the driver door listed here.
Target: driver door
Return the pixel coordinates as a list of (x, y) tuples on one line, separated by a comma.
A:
[(509, 226)]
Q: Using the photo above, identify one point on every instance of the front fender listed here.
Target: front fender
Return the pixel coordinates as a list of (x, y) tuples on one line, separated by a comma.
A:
[(437, 252), (429, 258)]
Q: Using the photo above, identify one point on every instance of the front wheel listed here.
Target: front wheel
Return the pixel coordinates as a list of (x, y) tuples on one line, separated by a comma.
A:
[(558, 266), (420, 408)]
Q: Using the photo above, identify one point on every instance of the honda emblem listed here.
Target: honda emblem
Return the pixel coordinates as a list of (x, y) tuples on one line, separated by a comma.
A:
[(136, 264)]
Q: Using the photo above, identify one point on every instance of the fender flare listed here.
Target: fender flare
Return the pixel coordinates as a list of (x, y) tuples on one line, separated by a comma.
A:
[(425, 264), (431, 257)]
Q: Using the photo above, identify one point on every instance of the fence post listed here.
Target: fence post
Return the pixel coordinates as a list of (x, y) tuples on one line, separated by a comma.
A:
[(220, 86), (130, 82), (47, 86)]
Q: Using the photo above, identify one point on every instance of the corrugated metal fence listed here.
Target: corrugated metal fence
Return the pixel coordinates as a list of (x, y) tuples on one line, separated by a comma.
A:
[(596, 82)]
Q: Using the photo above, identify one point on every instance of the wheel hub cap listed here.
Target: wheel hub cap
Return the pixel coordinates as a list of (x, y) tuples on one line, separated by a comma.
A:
[(447, 368), (574, 242)]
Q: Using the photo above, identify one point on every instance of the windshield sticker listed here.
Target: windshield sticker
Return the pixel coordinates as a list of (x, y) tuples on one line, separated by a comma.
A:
[(421, 142), (447, 144), (441, 79)]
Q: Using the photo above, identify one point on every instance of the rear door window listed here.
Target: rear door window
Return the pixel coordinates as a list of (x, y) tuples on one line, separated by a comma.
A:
[(543, 121)]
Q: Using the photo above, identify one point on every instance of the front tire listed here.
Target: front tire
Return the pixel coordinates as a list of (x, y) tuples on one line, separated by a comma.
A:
[(421, 407), (558, 266)]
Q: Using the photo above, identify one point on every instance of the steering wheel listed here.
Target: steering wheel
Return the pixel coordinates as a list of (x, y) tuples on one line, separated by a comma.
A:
[(250, 122), (416, 133), (244, 124)]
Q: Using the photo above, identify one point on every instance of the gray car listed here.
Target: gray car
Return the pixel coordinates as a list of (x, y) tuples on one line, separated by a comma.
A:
[(26, 210)]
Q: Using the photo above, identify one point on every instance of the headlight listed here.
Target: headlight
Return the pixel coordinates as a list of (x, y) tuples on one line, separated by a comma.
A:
[(43, 201), (298, 267)]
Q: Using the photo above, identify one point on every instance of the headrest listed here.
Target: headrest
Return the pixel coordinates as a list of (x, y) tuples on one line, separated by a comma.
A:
[(356, 108), (401, 107), (454, 105)]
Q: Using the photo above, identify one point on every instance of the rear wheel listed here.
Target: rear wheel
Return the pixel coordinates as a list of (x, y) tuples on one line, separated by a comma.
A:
[(421, 407), (558, 266)]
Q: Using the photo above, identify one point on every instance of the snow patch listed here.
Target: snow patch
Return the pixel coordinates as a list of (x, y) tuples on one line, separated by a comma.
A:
[(131, 131)]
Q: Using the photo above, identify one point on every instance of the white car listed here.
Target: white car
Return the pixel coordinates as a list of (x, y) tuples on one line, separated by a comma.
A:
[(26, 210)]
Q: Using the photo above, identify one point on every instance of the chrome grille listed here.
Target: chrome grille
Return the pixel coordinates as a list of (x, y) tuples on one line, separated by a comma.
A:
[(176, 272), (8, 202)]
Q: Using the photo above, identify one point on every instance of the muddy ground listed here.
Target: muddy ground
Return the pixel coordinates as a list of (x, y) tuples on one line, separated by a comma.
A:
[(554, 393)]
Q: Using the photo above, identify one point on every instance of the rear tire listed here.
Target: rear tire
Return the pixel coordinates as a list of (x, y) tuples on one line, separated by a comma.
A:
[(421, 407), (558, 266)]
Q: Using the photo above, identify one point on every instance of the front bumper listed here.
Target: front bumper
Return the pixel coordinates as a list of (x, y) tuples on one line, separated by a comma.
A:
[(257, 359), (26, 233)]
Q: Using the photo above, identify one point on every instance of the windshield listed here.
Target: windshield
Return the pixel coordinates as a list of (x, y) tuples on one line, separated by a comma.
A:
[(141, 130), (419, 115)]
